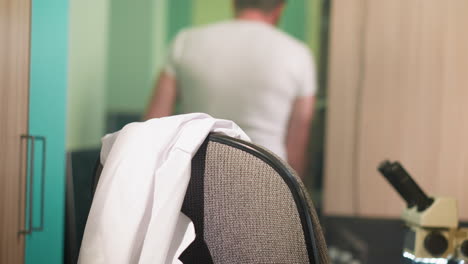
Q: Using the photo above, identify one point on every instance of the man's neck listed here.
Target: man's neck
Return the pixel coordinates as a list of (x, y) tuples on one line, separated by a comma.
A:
[(255, 15)]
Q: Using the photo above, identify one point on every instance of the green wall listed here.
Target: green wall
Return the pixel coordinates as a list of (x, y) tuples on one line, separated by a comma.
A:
[(130, 60), (87, 73), (294, 19), (314, 26), (179, 16), (159, 34), (116, 49), (209, 11)]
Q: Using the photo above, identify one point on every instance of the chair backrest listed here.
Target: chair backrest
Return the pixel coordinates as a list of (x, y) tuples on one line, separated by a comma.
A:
[(249, 207)]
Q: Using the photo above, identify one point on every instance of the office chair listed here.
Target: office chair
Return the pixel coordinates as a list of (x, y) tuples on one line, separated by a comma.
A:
[(79, 195), (248, 206)]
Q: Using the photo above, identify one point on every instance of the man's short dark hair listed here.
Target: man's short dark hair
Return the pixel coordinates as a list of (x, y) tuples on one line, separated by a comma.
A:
[(264, 5)]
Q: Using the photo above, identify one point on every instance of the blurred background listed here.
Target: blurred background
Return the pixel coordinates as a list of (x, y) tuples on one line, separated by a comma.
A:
[(393, 84), (117, 49)]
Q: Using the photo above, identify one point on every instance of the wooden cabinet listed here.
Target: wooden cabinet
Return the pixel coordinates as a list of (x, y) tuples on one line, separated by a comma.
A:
[(33, 71), (14, 91), (398, 90)]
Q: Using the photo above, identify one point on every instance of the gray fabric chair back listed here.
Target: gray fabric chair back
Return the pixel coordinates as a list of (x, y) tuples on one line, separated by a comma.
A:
[(248, 206)]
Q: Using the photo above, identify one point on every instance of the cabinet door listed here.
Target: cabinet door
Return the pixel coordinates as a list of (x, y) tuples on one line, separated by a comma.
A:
[(346, 51), (47, 110), (398, 90), (14, 72)]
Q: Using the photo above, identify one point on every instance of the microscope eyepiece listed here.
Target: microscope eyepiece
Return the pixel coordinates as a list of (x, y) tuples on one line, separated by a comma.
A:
[(386, 169), (408, 189)]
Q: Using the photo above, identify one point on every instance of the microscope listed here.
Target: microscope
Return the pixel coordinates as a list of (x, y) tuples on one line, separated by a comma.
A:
[(433, 234)]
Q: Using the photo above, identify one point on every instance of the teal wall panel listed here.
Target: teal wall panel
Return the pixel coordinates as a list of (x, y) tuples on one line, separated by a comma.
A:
[(48, 87)]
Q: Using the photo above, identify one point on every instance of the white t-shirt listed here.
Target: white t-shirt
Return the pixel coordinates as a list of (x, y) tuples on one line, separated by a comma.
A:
[(245, 71)]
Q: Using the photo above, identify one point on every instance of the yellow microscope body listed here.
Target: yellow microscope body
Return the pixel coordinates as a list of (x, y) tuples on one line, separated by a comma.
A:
[(433, 233)]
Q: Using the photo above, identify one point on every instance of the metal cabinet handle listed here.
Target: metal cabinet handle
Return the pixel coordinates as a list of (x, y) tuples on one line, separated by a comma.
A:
[(30, 225), (43, 171), (28, 138)]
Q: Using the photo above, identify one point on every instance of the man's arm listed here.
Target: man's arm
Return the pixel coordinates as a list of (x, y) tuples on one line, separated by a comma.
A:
[(299, 132), (164, 97)]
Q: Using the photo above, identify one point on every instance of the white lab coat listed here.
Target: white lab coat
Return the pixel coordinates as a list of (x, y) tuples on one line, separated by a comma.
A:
[(135, 216)]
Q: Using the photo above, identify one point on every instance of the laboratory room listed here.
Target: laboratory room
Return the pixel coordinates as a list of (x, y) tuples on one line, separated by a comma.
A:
[(233, 131)]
